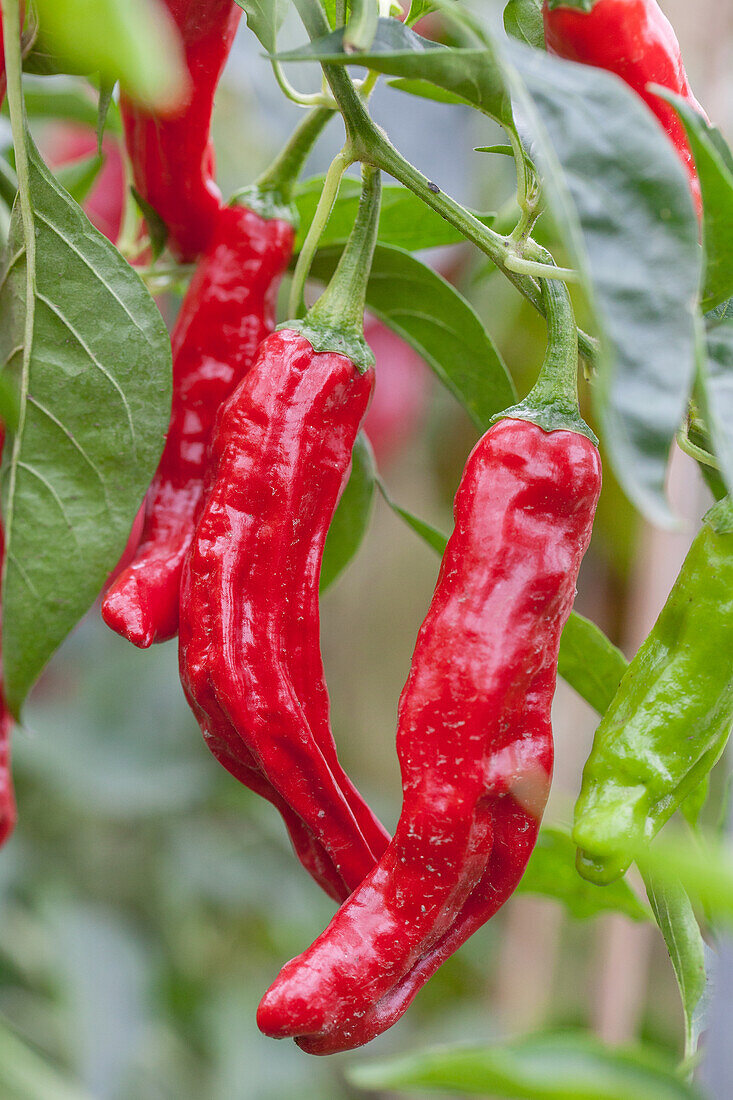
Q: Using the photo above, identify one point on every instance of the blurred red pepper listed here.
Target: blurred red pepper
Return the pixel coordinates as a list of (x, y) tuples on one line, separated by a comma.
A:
[(400, 395), (635, 40), (173, 157), (104, 205)]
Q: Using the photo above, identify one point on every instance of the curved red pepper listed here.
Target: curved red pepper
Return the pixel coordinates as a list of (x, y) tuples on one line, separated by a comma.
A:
[(173, 157), (635, 40), (474, 741), (227, 312), (249, 627)]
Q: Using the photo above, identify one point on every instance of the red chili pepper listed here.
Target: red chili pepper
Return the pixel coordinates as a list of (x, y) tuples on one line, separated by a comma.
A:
[(249, 631), (474, 740), (173, 157), (227, 312), (635, 40)]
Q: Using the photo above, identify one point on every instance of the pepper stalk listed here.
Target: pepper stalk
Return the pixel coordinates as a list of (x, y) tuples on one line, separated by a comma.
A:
[(336, 321), (552, 403)]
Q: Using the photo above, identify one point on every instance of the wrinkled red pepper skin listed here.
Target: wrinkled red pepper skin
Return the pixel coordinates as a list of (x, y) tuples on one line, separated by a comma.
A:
[(635, 40), (173, 157), (474, 741), (228, 310), (249, 625)]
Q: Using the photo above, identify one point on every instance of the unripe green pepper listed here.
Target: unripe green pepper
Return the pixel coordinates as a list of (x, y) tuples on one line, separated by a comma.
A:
[(671, 717)]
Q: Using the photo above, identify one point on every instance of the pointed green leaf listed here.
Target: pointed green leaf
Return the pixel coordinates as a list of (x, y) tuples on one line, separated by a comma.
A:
[(264, 19), (351, 519), (590, 662), (523, 21), (95, 385)]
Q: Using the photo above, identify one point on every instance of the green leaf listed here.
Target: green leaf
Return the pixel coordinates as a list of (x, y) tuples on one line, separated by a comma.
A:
[(621, 200), (8, 183), (93, 421), (475, 75), (551, 872), (156, 227), (104, 103), (351, 519), (419, 8), (404, 220), (541, 1067), (135, 43), (716, 184), (677, 922), (425, 90), (590, 662), (434, 319), (523, 21), (430, 535), (264, 19), (78, 177), (715, 378), (25, 1075)]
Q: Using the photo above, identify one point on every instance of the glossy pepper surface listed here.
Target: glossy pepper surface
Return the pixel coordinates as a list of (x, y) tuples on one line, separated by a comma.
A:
[(635, 40), (227, 312), (173, 157), (474, 741), (249, 628), (671, 717)]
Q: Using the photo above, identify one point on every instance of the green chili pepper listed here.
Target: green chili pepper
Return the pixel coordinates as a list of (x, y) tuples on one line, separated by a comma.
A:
[(671, 717)]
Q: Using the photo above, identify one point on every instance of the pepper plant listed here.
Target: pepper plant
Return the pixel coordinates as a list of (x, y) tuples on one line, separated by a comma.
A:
[(212, 483)]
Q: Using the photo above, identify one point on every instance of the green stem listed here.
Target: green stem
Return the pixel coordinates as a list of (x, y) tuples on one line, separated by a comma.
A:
[(336, 321), (329, 194), (271, 194), (552, 403), (302, 99), (372, 146), (698, 453)]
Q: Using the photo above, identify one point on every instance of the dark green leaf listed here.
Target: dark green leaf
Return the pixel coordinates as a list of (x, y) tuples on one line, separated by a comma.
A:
[(502, 150), (620, 196), (678, 924), (404, 220), (551, 872), (433, 318), (93, 422), (129, 42), (351, 519), (264, 19), (79, 176), (106, 91), (523, 21), (715, 377), (157, 229), (716, 184), (541, 1067), (590, 662), (473, 74)]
